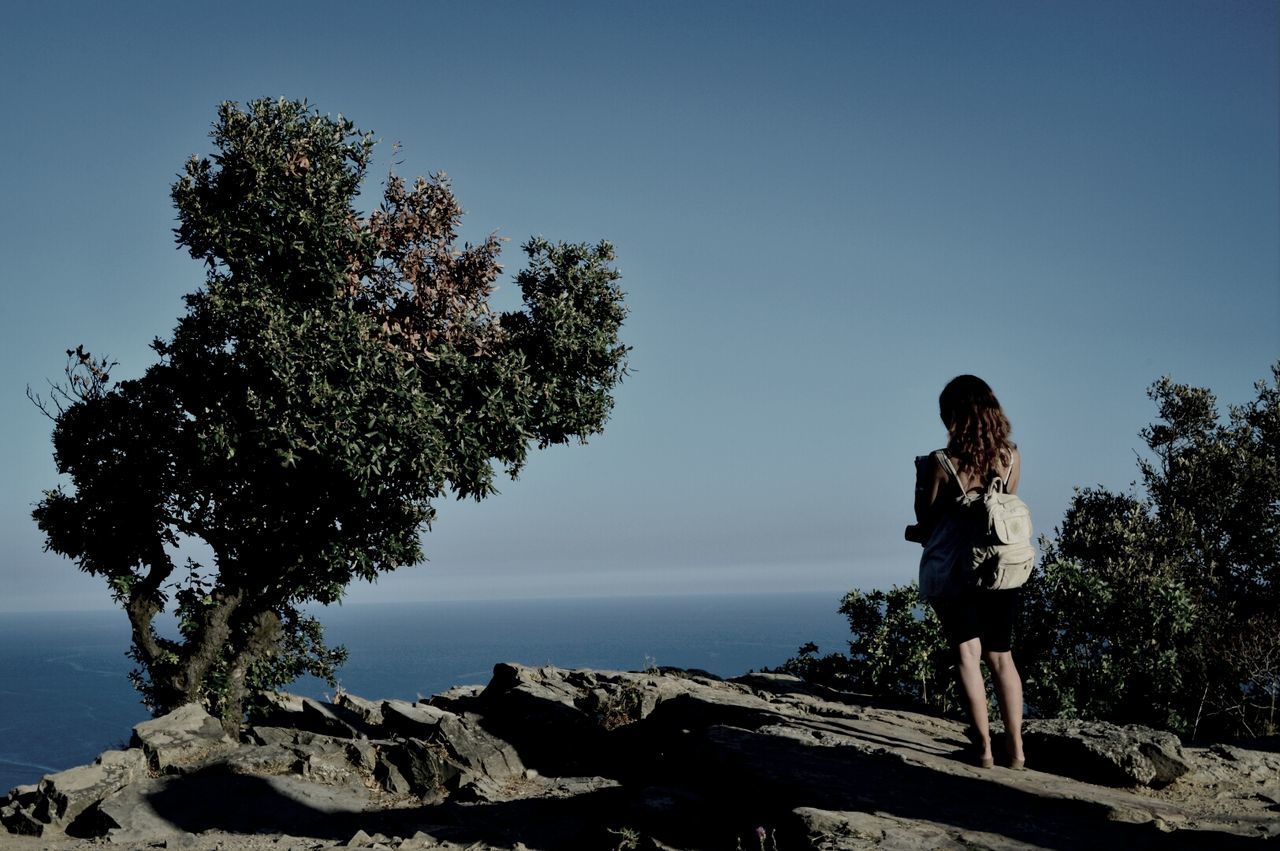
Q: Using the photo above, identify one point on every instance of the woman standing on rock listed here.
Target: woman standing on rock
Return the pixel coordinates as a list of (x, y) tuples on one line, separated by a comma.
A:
[(978, 623)]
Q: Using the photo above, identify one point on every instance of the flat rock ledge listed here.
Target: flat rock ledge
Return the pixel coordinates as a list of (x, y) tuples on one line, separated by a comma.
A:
[(547, 758)]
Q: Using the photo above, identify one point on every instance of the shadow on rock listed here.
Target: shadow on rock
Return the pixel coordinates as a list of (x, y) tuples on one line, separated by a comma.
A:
[(257, 805), (776, 777), (561, 759)]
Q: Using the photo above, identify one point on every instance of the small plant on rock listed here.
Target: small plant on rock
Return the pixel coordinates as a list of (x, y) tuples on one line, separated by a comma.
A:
[(896, 650)]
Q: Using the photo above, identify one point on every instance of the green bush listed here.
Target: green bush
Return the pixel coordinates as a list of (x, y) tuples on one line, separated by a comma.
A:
[(896, 650), (1159, 608)]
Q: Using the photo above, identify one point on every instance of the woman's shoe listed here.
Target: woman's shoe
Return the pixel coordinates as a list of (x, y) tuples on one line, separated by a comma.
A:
[(1018, 764), (984, 762)]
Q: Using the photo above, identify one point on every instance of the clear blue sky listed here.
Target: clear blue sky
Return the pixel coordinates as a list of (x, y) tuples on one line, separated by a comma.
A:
[(823, 211)]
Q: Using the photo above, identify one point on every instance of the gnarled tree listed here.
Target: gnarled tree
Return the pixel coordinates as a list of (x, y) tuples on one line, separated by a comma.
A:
[(335, 375)]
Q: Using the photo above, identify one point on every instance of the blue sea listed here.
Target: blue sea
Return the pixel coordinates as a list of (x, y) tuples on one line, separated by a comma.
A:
[(65, 696)]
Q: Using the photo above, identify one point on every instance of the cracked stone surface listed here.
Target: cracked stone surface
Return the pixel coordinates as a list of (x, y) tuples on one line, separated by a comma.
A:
[(553, 758)]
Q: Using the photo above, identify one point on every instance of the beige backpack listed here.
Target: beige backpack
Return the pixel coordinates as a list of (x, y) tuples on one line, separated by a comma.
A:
[(1000, 523)]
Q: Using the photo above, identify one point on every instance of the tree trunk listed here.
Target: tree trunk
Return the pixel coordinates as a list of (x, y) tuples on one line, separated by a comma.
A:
[(208, 646), (144, 602), (263, 641)]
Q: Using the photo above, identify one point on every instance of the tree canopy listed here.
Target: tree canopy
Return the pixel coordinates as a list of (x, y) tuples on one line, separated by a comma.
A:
[(336, 374), (1164, 608)]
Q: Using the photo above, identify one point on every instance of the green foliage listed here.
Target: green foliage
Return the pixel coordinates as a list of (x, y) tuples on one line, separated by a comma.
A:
[(897, 650), (628, 838), (1163, 609), (1111, 647), (334, 377)]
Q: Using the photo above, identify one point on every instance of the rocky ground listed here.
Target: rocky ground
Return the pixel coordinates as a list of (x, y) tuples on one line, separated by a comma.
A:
[(544, 758)]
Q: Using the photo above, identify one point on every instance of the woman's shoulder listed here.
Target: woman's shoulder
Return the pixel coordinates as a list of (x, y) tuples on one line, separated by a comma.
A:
[(942, 464), (932, 465)]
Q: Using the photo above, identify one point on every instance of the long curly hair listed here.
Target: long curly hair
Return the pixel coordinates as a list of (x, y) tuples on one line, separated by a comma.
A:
[(977, 427)]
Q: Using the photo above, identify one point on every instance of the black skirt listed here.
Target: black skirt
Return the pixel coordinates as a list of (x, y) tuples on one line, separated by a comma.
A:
[(986, 615)]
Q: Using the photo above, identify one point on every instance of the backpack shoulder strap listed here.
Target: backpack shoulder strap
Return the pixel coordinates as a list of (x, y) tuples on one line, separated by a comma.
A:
[(1004, 481), (941, 455)]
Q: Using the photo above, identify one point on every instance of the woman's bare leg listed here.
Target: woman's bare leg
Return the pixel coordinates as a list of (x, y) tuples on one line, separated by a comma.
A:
[(1009, 693), (975, 692)]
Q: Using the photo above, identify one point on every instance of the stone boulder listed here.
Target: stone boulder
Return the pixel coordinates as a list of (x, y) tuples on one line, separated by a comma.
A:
[(535, 709), (16, 811), (447, 752), (456, 698), (186, 737), (1106, 754), (66, 800), (400, 717), (368, 711)]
